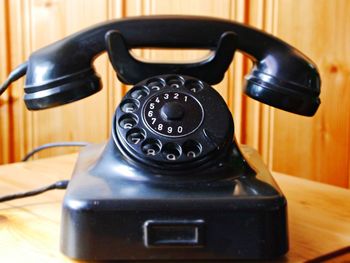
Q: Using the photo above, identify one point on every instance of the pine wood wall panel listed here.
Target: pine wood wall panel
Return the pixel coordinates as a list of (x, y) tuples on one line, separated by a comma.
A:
[(235, 75), (194, 7), (317, 148), (45, 22), (86, 119), (4, 100), (258, 117), (20, 130), (116, 90)]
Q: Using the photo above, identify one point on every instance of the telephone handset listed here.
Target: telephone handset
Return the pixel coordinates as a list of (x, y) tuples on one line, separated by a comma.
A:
[(171, 182), (62, 72)]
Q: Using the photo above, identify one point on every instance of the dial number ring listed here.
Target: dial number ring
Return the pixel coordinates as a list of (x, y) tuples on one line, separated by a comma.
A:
[(158, 117)]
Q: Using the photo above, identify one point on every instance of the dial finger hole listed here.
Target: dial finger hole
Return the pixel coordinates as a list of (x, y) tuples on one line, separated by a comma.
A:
[(151, 147), (128, 121), (155, 84), (171, 151), (135, 136), (194, 85), (139, 93), (129, 105), (175, 82), (192, 149)]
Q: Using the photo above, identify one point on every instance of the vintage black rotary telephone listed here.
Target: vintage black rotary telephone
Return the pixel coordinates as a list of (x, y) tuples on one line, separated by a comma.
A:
[(171, 183)]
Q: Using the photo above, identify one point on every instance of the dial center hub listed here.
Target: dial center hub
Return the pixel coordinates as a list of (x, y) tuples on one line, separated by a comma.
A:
[(172, 111)]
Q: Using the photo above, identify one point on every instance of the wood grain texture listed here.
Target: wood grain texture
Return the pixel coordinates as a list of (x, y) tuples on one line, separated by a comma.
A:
[(318, 214), (258, 130), (77, 121), (116, 90), (32, 230), (20, 119), (4, 99), (317, 148)]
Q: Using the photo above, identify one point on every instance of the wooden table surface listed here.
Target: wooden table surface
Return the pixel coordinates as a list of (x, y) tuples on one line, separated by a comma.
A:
[(319, 214)]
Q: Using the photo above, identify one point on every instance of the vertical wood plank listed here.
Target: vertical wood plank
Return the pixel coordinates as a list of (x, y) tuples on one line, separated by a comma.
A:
[(262, 14), (44, 22), (4, 70), (317, 148), (236, 75), (252, 108), (20, 126), (183, 7), (267, 131), (116, 89)]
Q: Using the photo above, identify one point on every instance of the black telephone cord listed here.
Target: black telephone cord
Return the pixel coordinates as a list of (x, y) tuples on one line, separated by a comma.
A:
[(53, 145), (57, 185), (14, 75)]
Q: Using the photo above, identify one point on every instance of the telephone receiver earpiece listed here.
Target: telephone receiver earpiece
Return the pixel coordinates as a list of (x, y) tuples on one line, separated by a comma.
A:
[(281, 77)]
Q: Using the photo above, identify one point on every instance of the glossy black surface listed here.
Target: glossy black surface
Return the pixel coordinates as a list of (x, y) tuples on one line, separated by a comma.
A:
[(203, 129), (282, 76), (211, 70), (240, 212)]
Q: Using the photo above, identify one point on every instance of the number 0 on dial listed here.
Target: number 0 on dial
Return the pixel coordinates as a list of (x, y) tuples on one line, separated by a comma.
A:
[(173, 114)]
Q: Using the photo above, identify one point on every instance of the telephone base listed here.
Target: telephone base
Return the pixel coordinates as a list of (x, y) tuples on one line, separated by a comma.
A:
[(106, 217)]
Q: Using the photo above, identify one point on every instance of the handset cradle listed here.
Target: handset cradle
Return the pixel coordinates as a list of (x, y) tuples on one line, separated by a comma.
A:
[(131, 71)]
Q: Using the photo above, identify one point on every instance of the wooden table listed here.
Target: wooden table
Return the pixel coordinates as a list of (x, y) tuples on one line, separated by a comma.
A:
[(319, 214)]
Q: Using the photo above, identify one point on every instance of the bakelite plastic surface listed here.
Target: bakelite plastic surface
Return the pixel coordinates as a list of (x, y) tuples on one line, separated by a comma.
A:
[(62, 72), (238, 213)]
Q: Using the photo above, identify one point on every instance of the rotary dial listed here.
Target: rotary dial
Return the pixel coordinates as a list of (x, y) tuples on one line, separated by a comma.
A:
[(172, 119)]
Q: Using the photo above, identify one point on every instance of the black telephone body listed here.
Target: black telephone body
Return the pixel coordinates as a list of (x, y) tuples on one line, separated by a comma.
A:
[(171, 182)]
